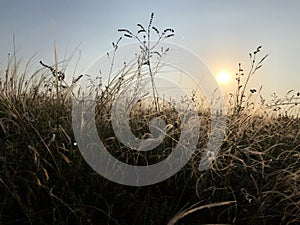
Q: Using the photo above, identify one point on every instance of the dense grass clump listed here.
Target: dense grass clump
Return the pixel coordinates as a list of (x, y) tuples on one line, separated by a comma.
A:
[(45, 180)]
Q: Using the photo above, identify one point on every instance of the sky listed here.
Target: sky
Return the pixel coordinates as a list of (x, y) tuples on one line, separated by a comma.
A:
[(220, 33)]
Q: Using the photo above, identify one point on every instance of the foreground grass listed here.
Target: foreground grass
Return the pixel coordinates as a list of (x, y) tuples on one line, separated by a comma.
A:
[(44, 179)]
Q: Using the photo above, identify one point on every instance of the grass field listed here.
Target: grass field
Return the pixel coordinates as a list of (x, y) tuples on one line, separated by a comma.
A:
[(45, 180)]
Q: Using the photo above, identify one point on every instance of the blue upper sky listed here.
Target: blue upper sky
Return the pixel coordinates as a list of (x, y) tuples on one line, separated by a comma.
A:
[(221, 33)]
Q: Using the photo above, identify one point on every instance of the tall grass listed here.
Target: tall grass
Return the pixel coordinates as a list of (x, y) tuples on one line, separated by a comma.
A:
[(44, 179)]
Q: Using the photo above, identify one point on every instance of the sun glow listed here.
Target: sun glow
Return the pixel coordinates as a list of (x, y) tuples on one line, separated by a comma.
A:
[(223, 77)]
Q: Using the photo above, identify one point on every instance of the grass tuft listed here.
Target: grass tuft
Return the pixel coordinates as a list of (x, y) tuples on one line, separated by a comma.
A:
[(45, 180)]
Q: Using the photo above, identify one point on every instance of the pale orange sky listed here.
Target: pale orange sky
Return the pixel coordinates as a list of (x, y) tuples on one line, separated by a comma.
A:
[(221, 34)]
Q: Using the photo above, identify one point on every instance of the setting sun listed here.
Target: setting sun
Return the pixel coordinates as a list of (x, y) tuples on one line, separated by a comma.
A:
[(223, 77)]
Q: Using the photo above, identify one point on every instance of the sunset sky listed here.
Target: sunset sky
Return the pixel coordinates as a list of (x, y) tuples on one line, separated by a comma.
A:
[(221, 33)]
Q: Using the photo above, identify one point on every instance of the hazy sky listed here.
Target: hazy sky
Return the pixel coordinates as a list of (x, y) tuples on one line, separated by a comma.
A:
[(221, 33)]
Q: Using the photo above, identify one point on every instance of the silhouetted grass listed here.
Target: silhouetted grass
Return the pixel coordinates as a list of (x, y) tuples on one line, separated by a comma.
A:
[(44, 179)]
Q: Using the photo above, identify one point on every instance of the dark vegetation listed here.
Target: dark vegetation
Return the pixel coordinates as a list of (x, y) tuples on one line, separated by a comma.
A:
[(255, 178)]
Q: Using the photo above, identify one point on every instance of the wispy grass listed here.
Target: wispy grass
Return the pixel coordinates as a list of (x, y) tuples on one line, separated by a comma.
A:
[(44, 179)]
